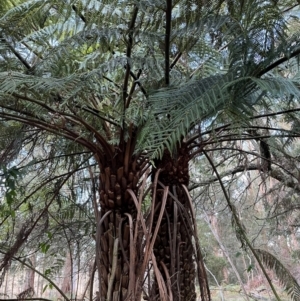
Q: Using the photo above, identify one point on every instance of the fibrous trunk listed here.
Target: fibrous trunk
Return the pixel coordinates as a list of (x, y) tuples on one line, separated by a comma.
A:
[(175, 252), (116, 258)]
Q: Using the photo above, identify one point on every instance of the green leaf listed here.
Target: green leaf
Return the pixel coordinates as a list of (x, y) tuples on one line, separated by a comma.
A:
[(47, 272), (44, 247), (238, 254), (45, 287), (250, 268)]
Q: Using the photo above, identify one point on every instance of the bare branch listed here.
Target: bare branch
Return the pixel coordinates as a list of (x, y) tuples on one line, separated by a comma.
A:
[(167, 41)]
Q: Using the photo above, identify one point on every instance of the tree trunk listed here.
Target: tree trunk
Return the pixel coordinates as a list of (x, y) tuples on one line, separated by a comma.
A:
[(174, 249), (6, 286), (66, 286), (30, 274), (117, 257), (212, 223), (28, 288)]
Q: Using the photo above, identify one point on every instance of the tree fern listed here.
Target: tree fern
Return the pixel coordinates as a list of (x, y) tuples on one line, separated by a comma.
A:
[(234, 92), (107, 77)]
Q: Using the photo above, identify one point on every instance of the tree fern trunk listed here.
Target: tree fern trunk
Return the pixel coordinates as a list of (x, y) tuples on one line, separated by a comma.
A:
[(116, 256), (174, 249)]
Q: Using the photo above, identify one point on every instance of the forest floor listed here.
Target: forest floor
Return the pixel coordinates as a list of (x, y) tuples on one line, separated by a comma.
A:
[(234, 293)]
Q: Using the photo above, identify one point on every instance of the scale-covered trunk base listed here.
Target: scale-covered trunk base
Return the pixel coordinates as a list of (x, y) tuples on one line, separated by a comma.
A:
[(155, 256), (116, 257), (174, 249)]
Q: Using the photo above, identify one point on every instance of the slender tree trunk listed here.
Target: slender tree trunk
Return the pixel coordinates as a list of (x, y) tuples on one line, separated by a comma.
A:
[(12, 283), (174, 249), (66, 282), (28, 289), (6, 286), (89, 280), (213, 225)]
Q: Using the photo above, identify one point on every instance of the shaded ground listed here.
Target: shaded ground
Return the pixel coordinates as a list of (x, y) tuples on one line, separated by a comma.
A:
[(234, 293)]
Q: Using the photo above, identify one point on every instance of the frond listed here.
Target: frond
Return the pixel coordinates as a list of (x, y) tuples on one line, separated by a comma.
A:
[(11, 137), (285, 277), (175, 109), (78, 50), (178, 109)]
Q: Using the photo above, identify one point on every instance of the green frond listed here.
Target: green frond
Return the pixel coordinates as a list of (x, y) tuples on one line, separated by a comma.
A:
[(278, 87), (285, 277), (176, 109), (18, 12), (77, 51)]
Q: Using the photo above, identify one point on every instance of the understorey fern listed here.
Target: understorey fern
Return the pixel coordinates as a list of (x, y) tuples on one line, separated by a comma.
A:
[(285, 277)]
